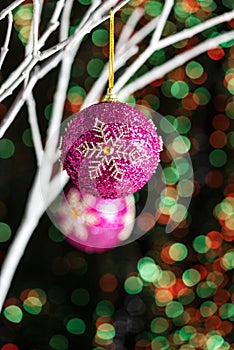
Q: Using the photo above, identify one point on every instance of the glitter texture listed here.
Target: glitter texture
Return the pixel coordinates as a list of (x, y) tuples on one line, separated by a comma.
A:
[(110, 150), (95, 224)]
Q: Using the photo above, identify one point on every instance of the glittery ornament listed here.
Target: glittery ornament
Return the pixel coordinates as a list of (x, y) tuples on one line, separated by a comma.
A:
[(110, 150), (94, 224)]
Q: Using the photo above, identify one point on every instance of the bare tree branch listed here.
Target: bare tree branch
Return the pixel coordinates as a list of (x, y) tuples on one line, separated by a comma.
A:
[(36, 206), (5, 48), (170, 40), (10, 8), (177, 61)]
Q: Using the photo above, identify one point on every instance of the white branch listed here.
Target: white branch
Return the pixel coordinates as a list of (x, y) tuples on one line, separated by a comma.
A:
[(35, 208), (35, 24), (10, 8), (16, 78), (129, 28), (33, 121), (150, 49), (65, 20), (5, 48), (162, 21), (52, 63), (177, 61), (143, 32), (170, 40), (53, 24)]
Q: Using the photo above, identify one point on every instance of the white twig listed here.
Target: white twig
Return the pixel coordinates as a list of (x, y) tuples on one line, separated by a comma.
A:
[(162, 21), (53, 24), (143, 32), (16, 78), (5, 48), (65, 20), (129, 28), (53, 62), (150, 49), (33, 121), (172, 39), (10, 8), (35, 24), (177, 61)]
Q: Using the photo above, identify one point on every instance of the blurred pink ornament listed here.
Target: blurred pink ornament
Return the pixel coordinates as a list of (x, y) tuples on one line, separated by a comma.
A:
[(94, 224), (110, 150)]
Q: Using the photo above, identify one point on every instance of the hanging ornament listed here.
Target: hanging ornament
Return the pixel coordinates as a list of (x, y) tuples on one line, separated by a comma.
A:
[(94, 224), (110, 149)]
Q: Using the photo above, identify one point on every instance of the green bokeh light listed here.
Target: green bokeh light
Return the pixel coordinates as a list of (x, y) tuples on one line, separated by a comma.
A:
[(181, 144), (179, 89), (105, 308), (148, 270), (55, 235), (206, 289), (230, 139), (182, 124), (214, 342), (157, 58), (100, 37), (59, 342), (186, 333), (183, 167), (5, 232), (201, 244), (13, 313), (7, 148), (194, 70), (80, 297), (226, 311), (85, 2), (228, 260), (218, 158), (159, 325), (229, 110), (27, 138), (178, 251), (133, 285), (153, 8), (185, 188), (48, 111), (32, 305), (208, 308), (202, 96), (166, 124), (160, 343), (174, 309), (191, 277), (170, 176), (106, 331), (94, 67), (76, 326)]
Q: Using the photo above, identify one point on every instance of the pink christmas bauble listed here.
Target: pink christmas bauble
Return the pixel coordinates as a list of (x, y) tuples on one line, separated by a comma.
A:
[(110, 150), (94, 224)]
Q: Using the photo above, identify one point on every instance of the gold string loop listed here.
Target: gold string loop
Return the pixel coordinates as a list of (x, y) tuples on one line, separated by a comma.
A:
[(111, 67)]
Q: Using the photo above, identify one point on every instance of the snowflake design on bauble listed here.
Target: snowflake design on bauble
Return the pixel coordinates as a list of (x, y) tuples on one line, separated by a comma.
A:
[(113, 148)]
